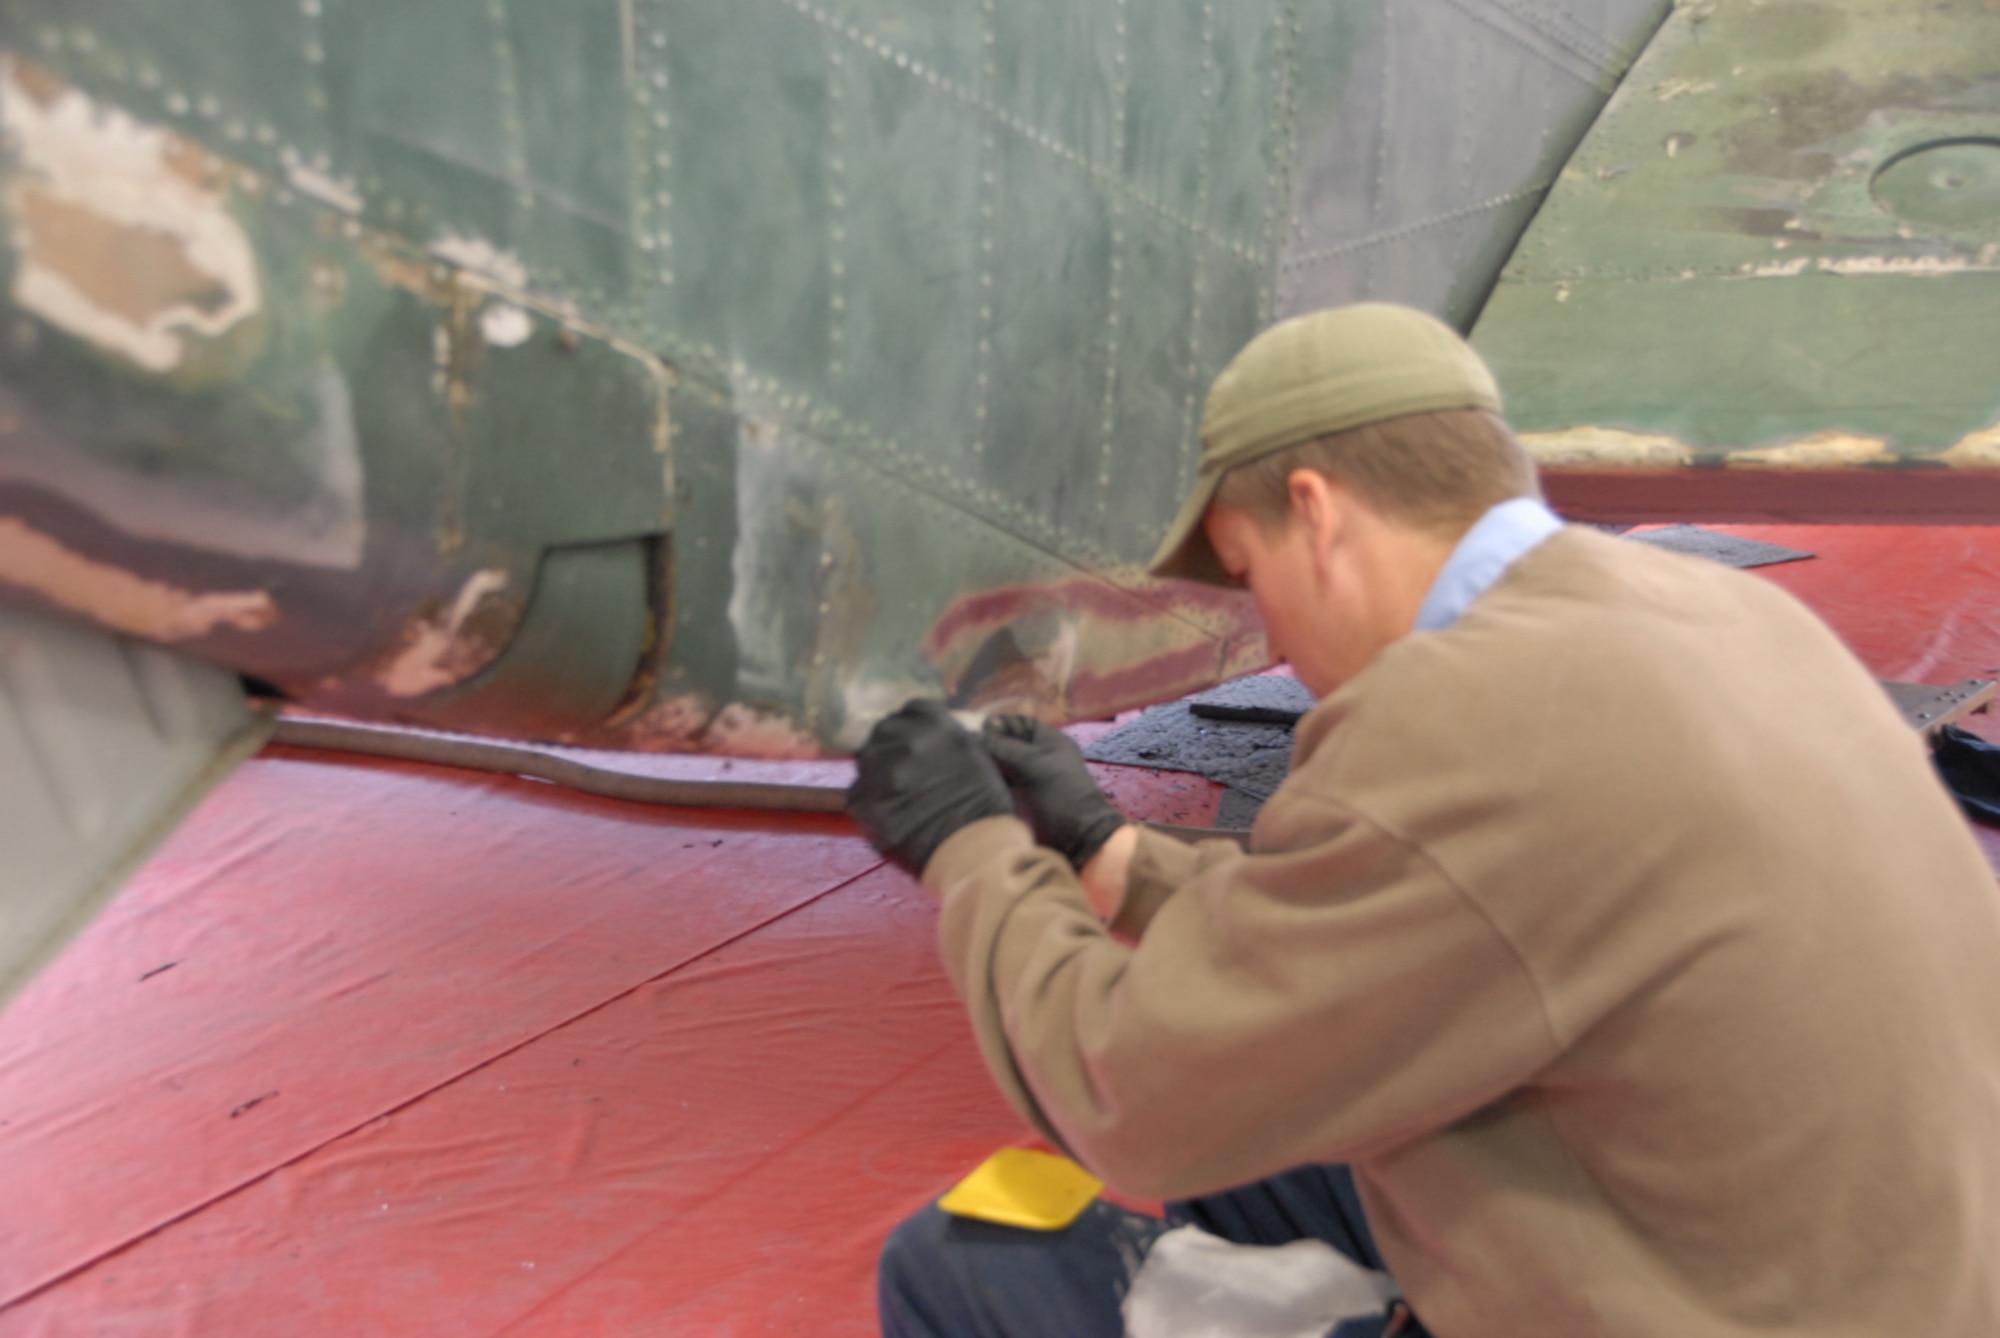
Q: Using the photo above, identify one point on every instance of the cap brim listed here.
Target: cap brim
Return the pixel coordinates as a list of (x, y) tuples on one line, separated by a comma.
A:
[(1185, 554)]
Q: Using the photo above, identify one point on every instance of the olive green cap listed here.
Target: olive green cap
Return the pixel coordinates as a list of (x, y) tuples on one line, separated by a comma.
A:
[(1329, 371)]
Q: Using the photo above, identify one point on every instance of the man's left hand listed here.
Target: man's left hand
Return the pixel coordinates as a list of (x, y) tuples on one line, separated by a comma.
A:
[(918, 779)]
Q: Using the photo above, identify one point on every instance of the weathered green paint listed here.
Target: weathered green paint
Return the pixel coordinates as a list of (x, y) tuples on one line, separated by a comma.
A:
[(878, 328), (1779, 247), (578, 650)]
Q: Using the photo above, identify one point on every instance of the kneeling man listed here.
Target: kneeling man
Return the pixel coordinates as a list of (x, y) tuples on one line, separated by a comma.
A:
[(1611, 962)]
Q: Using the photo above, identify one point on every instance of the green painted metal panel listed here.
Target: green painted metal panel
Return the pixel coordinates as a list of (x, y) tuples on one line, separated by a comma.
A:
[(577, 653), (932, 292), (1777, 248)]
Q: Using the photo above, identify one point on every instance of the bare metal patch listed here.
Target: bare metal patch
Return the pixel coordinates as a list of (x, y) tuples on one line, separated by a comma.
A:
[(115, 598), (122, 229), (504, 325)]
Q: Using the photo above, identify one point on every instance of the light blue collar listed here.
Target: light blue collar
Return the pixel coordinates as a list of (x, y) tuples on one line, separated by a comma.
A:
[(1496, 541)]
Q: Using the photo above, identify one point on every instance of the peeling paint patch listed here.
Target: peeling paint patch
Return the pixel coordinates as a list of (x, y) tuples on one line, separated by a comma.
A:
[(1823, 450), (672, 726), (115, 598), (436, 652), (504, 325), (867, 701), (122, 229), (1605, 446), (1608, 448), (745, 731), (1979, 450), (482, 257), (1918, 266), (311, 182), (1781, 269), (1670, 89), (1081, 649)]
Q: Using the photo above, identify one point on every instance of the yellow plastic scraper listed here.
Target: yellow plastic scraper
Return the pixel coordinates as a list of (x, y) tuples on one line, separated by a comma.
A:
[(1020, 1188)]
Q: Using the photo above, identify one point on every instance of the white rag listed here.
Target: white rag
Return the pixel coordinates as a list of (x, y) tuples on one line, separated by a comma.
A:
[(1194, 1285)]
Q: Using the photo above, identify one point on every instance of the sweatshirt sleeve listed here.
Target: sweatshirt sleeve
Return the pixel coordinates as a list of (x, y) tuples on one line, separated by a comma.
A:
[(1319, 1004), (1162, 866)]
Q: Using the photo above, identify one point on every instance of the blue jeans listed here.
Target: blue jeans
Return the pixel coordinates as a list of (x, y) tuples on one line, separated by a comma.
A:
[(946, 1277)]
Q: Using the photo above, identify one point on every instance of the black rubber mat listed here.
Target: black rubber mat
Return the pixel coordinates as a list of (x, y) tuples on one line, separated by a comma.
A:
[(1249, 758), (1262, 699), (1727, 549)]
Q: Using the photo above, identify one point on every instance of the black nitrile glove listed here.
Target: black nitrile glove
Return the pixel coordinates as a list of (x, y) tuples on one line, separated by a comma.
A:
[(1069, 813), (1971, 770), (919, 778)]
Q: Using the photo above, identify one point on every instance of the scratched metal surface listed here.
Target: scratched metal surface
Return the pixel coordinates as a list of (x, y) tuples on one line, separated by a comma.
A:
[(1768, 283), (701, 374)]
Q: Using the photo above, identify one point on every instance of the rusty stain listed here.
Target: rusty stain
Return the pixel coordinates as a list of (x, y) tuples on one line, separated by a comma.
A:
[(122, 230), (119, 600), (447, 645)]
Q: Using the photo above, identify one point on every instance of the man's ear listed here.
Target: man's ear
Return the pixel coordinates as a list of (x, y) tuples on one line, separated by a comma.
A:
[(1319, 504)]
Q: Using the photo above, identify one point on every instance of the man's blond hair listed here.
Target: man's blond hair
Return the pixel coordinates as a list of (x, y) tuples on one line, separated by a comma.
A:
[(1438, 471)]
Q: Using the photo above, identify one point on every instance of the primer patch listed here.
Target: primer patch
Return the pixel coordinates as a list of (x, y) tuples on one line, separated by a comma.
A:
[(122, 229)]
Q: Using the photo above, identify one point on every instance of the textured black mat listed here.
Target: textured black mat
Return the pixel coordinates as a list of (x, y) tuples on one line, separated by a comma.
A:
[(1728, 549), (1249, 758), (1263, 699)]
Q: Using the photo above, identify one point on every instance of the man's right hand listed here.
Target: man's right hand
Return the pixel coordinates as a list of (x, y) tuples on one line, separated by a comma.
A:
[(1069, 813)]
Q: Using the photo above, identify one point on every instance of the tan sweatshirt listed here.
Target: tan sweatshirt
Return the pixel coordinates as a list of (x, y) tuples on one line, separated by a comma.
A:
[(1619, 935)]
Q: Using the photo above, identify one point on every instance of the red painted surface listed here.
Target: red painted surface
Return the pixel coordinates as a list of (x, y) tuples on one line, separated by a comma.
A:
[(1920, 604), (436, 1053), (1908, 495)]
